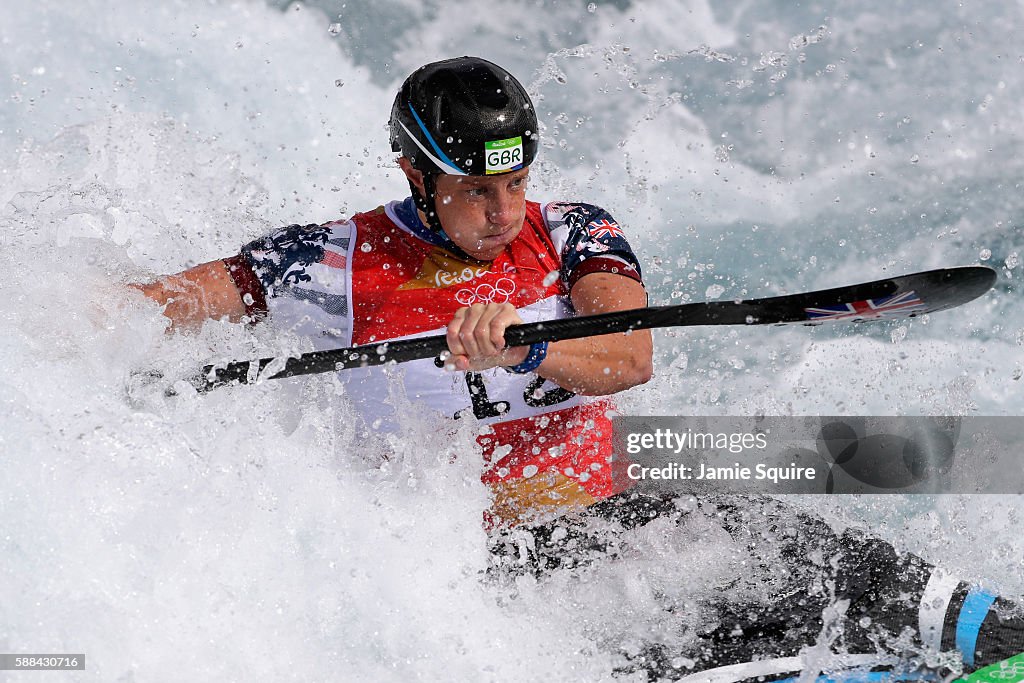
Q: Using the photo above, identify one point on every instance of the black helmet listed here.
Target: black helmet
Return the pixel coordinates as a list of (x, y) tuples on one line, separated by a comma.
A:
[(464, 116)]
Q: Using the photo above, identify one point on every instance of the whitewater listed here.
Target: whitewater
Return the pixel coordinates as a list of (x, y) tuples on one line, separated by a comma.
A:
[(748, 149)]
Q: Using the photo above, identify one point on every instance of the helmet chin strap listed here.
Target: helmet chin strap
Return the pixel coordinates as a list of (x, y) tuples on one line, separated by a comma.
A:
[(428, 205)]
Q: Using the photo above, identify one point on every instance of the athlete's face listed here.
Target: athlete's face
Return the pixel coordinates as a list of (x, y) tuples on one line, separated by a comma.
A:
[(481, 214)]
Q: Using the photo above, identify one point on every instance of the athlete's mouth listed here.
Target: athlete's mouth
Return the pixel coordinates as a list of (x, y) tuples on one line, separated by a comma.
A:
[(497, 240), (501, 233)]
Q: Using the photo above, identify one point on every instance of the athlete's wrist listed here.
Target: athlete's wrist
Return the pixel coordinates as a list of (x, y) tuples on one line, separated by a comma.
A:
[(535, 355)]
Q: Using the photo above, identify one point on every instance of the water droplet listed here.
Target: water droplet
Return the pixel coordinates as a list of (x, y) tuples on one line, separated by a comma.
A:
[(591, 7), (985, 254), (338, 83), (683, 663), (1012, 261), (334, 29), (365, 248), (914, 159), (714, 291)]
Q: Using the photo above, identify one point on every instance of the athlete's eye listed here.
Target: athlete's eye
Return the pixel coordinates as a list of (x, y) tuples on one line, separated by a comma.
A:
[(476, 191)]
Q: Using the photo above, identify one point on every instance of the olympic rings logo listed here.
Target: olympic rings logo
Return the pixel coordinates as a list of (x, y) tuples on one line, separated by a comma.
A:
[(485, 293), (1008, 673)]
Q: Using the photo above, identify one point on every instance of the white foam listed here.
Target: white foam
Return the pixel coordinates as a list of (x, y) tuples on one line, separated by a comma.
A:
[(250, 534)]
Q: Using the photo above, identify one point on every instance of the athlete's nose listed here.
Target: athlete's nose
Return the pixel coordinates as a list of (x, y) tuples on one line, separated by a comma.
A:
[(501, 208)]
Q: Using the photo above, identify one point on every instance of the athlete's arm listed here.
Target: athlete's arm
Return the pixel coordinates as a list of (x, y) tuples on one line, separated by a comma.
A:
[(596, 366), (592, 366), (205, 292)]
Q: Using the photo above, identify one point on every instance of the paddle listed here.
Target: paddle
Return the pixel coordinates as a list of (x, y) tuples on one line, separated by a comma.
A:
[(897, 297)]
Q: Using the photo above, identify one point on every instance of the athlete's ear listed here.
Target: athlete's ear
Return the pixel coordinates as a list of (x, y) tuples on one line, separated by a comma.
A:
[(415, 177)]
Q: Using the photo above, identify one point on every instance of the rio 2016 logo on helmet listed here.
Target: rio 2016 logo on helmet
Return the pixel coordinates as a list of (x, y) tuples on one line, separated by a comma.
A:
[(464, 116)]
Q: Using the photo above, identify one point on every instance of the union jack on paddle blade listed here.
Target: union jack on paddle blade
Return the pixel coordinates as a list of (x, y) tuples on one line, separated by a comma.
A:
[(895, 306)]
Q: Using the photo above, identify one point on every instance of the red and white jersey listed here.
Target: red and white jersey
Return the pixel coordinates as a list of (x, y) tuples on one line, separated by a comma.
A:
[(382, 275)]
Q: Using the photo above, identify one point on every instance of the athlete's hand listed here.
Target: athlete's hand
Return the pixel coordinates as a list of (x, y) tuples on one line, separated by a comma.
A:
[(476, 338)]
